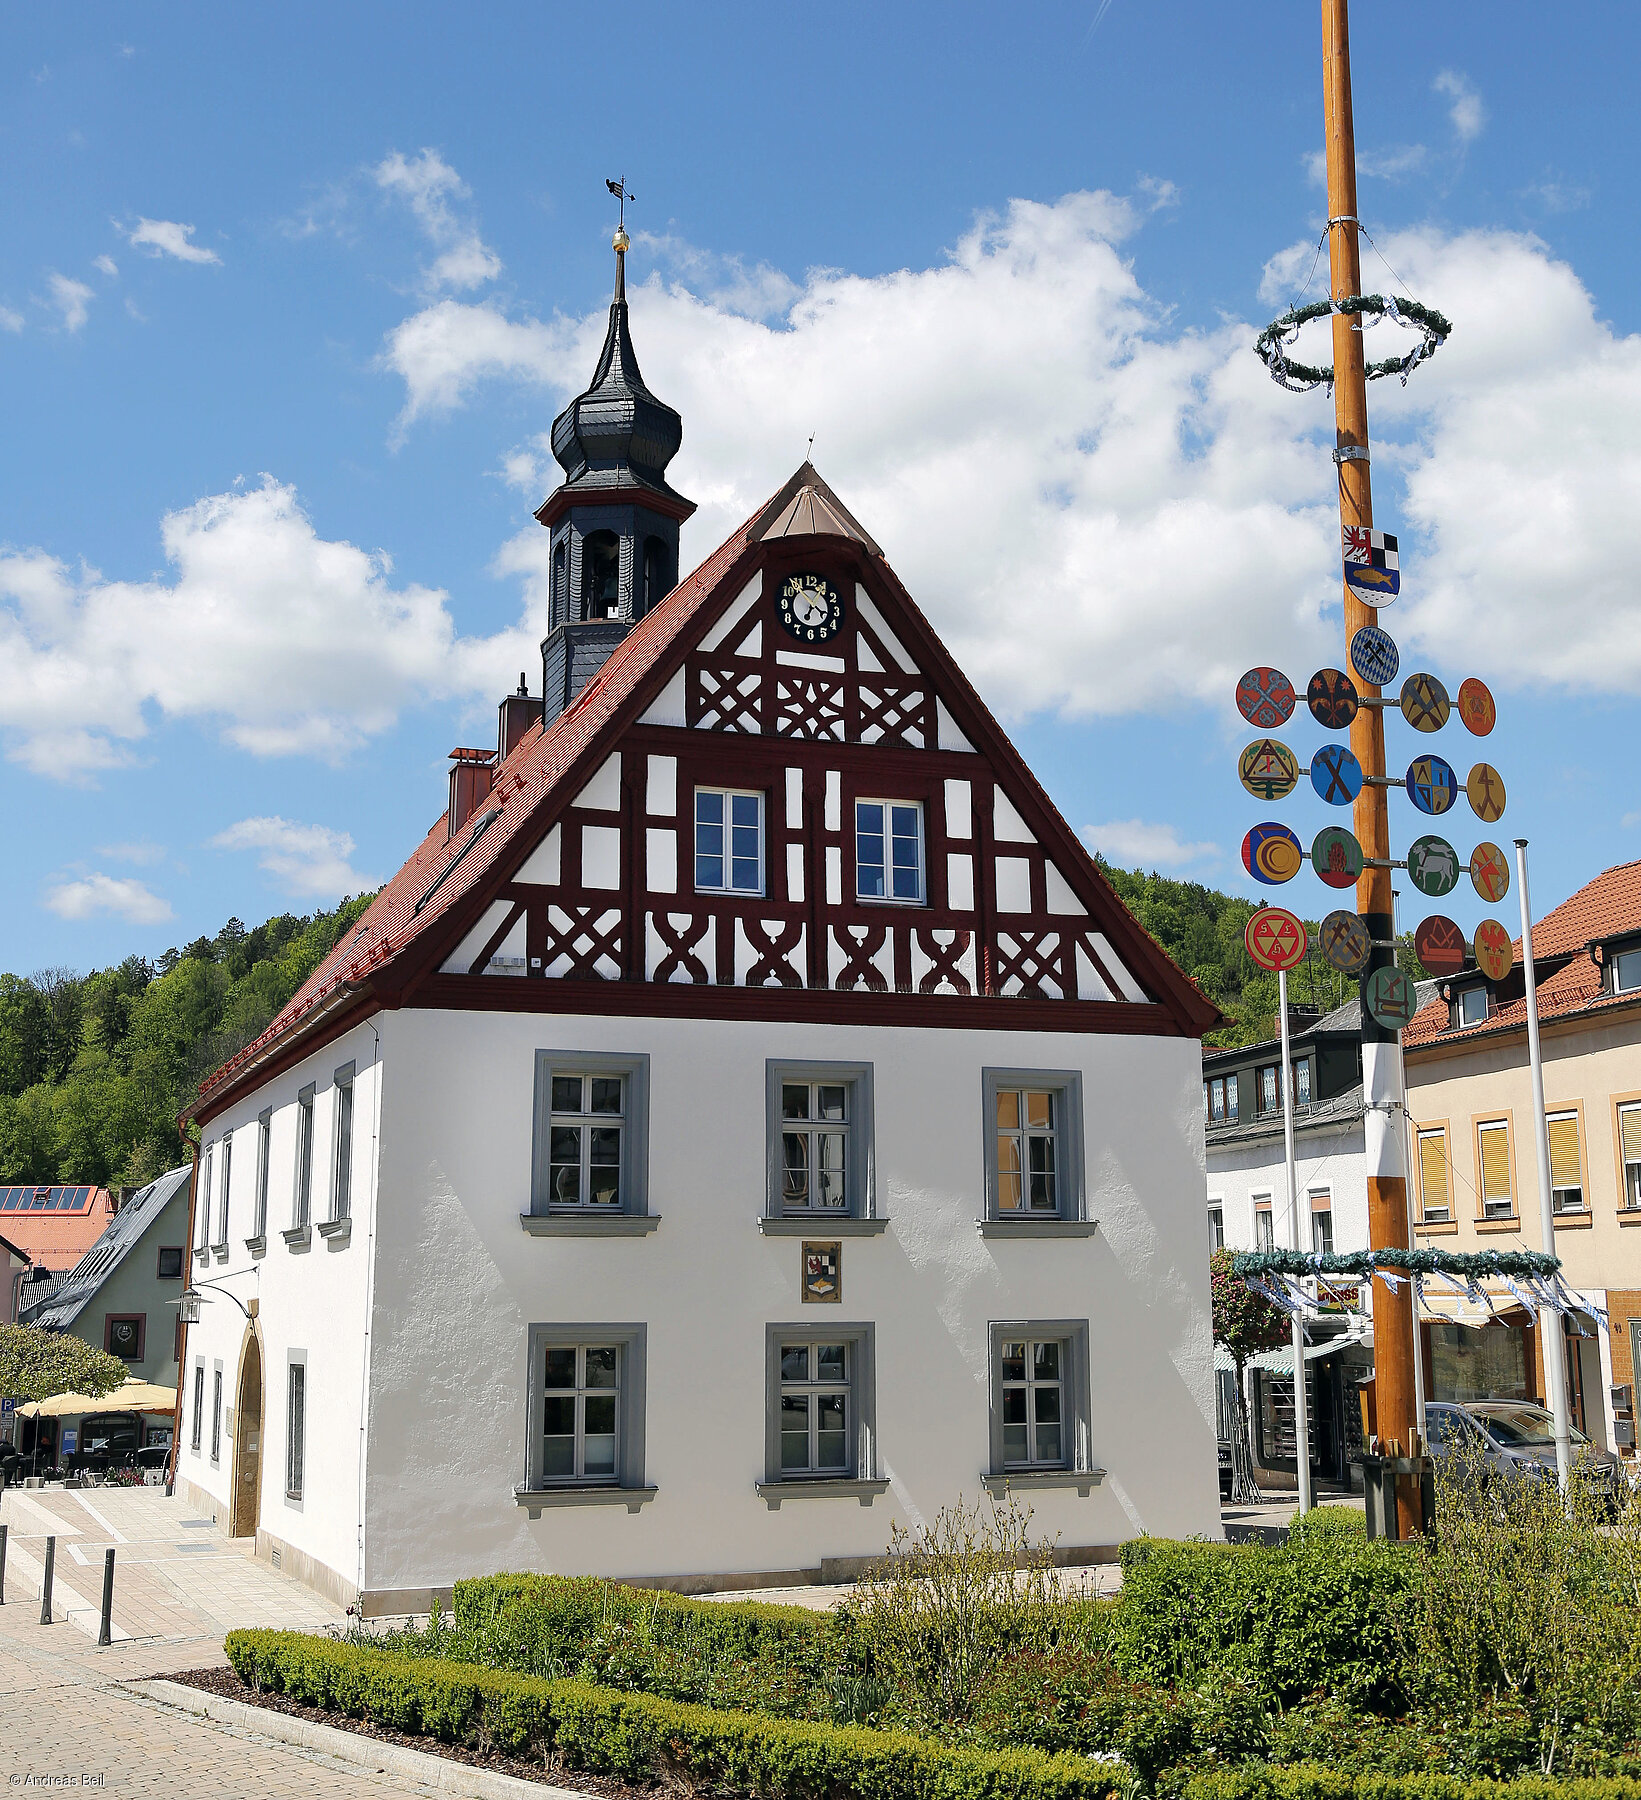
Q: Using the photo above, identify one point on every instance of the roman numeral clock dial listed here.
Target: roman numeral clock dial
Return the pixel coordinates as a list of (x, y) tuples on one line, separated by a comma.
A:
[(810, 608)]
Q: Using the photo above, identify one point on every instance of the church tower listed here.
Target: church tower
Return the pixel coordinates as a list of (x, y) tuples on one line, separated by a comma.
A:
[(615, 518)]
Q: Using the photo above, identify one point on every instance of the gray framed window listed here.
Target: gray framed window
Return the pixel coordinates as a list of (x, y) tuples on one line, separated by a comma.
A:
[(729, 836), (819, 1134), (1034, 1145), (264, 1134), (1472, 1005), (198, 1431), (202, 1204), (296, 1423), (1264, 1223), (586, 1422), (341, 1161), (820, 1406), (1216, 1227), (889, 850), (220, 1241), (591, 1152), (1041, 1432), (216, 1413), (1627, 971), (302, 1186)]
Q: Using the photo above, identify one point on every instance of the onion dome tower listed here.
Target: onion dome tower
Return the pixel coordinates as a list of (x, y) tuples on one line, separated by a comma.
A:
[(615, 518)]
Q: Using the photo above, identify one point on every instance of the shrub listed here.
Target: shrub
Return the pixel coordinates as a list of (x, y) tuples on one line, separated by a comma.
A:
[(640, 1738), (1312, 1781)]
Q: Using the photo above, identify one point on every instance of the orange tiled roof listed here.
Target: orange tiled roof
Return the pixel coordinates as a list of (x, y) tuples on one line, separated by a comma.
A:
[(1600, 909)]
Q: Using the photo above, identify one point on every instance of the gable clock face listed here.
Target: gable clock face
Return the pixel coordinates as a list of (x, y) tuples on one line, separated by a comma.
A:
[(810, 608)]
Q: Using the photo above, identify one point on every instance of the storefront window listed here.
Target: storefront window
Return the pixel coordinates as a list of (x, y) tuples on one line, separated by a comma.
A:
[(1489, 1362)]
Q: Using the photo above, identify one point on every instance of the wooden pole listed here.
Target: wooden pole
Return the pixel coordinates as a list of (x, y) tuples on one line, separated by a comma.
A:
[(1384, 1127)]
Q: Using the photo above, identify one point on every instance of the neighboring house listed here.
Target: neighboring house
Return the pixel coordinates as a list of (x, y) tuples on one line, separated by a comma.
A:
[(121, 1296), (1475, 1160), (14, 1265), (747, 1122), (54, 1226)]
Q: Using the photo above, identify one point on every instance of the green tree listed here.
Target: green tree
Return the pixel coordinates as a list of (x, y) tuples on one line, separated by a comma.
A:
[(1245, 1324), (37, 1364)]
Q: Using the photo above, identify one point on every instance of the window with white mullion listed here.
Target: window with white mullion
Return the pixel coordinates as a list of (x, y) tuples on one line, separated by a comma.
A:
[(1629, 1140), (814, 1409), (580, 1413), (1027, 1165), (889, 850), (814, 1146), (1034, 1411), (586, 1131), (729, 841)]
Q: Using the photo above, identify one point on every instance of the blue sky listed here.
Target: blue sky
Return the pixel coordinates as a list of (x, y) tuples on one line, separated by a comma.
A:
[(284, 314)]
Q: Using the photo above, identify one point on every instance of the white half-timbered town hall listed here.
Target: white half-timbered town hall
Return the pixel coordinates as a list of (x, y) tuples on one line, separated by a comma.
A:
[(748, 1119)]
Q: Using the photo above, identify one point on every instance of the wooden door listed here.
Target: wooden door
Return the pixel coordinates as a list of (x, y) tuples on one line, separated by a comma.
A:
[(247, 1503)]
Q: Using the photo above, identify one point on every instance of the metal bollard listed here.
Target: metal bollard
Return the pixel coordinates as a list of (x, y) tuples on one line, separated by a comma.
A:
[(4, 1531), (45, 1585), (105, 1632)]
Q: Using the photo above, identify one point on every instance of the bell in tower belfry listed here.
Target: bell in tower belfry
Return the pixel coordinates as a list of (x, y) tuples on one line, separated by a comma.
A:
[(615, 519)]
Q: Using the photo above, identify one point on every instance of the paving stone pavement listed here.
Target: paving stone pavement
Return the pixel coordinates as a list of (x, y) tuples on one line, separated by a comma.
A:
[(178, 1587)]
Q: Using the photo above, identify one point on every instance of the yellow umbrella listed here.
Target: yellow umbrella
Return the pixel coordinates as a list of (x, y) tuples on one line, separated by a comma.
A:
[(130, 1396)]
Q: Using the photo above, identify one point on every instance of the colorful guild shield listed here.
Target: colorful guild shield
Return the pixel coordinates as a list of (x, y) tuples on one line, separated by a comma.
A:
[(1431, 784), (1265, 698), (1433, 866), (1494, 955), (1269, 769), (1336, 774), (1372, 568), (1272, 854), (1476, 707), (1374, 657), (1333, 699), (1425, 704), (1485, 791), (1390, 998), (1346, 942), (1275, 939), (1336, 856), (1439, 945), (1490, 872)]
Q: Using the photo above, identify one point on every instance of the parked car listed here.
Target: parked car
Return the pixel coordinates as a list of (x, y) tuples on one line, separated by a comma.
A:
[(1499, 1438)]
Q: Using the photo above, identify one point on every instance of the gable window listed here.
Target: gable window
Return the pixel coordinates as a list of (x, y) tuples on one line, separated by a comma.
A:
[(1627, 972), (264, 1132), (1566, 1166), (889, 850), (729, 833), (302, 1187), (819, 1142), (1629, 1143), (591, 1125), (296, 1428), (341, 1176), (199, 1407), (820, 1421), (1034, 1134), (587, 1408), (1436, 1204), (1039, 1401), (123, 1335), (220, 1241), (1472, 1005), (1493, 1145), (170, 1263)]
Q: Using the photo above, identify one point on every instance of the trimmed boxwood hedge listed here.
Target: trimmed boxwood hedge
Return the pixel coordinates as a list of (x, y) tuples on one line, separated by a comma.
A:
[(1311, 1781), (641, 1738)]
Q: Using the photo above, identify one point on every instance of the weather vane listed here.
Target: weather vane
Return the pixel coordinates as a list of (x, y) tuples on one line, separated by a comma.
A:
[(620, 190)]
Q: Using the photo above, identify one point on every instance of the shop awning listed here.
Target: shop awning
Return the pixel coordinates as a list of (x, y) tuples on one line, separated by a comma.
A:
[(1280, 1362), (129, 1396)]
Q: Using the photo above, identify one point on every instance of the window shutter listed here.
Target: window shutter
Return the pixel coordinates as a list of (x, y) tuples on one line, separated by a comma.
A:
[(1433, 1170), (1629, 1130), (1565, 1171), (1495, 1162)]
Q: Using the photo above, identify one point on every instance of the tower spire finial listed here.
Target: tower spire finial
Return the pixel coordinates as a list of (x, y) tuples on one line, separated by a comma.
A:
[(621, 240)]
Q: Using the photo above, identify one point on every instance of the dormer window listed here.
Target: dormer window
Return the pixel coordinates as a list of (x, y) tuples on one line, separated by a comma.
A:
[(1472, 1006), (1627, 971)]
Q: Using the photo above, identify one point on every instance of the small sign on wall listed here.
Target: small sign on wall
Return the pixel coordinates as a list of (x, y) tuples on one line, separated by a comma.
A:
[(823, 1273), (71, 1440)]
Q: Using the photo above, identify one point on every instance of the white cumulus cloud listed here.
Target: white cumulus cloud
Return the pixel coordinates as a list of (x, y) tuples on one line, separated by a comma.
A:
[(71, 298), (122, 896), (1137, 843), (107, 265), (166, 237), (306, 860), (1467, 113), (429, 185), (10, 320)]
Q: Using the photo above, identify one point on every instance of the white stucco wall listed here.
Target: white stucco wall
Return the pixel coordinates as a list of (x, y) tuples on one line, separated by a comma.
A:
[(458, 1283), (1330, 1156)]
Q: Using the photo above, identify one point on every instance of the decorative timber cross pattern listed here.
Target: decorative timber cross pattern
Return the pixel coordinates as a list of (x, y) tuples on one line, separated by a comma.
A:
[(682, 934), (945, 961), (580, 938), (726, 697), (809, 706), (859, 944), (895, 711), (1035, 960), (773, 940)]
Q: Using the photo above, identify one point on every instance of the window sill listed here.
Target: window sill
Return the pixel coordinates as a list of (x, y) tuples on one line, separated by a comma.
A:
[(298, 1237), (257, 1245), (1629, 1215), (576, 1225), (1437, 1228), (202, 1255), (1510, 1224), (337, 1231), (220, 1252), (1036, 1228), (787, 1226), (772, 1493), (1083, 1480), (534, 1499)]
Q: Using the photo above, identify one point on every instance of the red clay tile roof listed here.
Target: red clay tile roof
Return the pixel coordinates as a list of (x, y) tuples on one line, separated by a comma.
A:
[(1600, 909)]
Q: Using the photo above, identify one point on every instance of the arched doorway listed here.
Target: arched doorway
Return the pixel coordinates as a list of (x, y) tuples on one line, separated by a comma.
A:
[(247, 1498)]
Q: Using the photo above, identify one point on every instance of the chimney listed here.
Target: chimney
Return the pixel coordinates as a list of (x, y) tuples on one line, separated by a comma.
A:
[(470, 773), (518, 713)]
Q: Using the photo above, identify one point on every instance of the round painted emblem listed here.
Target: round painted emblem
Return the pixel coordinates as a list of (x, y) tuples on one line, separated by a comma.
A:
[(1269, 769), (1431, 784), (1336, 856), (1265, 698), (1439, 945), (1495, 956), (1275, 939), (1476, 707), (1271, 853), (1425, 704), (1336, 774), (1485, 791), (1345, 942), (1433, 866), (1374, 657), (1333, 699), (1390, 998), (1490, 872)]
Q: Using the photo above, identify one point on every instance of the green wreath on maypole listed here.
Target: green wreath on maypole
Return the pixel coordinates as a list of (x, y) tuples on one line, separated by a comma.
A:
[(1299, 378)]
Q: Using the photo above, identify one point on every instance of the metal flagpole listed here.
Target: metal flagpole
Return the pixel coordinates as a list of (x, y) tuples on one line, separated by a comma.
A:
[(1553, 1332), (1301, 1401)]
